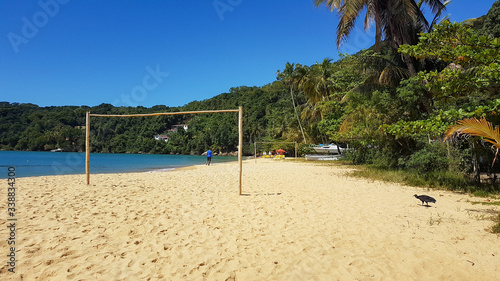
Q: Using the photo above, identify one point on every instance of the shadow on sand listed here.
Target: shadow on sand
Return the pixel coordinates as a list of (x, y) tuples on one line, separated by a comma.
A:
[(257, 194)]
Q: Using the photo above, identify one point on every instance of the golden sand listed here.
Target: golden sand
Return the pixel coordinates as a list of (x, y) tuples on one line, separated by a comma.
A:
[(296, 221)]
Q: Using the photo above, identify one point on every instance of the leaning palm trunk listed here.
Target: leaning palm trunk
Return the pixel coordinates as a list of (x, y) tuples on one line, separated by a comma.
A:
[(297, 115), (289, 75)]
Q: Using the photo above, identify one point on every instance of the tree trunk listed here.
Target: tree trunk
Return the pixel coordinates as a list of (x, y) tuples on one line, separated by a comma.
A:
[(297, 116), (410, 65), (475, 164), (378, 29)]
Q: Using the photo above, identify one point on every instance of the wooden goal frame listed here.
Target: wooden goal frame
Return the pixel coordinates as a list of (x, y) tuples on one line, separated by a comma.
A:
[(240, 133)]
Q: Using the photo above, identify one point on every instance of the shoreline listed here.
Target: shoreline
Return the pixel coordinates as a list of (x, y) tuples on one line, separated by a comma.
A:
[(37, 164), (298, 221)]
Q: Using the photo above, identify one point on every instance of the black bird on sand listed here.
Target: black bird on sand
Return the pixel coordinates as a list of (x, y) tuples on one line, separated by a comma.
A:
[(425, 198)]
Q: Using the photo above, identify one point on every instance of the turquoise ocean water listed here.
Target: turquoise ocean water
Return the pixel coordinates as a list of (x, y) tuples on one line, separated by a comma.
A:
[(34, 163)]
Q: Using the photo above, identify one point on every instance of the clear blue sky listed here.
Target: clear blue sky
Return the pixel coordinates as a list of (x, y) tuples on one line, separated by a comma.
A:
[(144, 53)]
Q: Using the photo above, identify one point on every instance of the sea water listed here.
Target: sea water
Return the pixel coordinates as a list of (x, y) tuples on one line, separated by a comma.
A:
[(35, 163)]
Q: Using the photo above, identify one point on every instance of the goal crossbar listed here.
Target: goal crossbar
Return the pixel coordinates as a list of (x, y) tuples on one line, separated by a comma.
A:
[(164, 113), (240, 132)]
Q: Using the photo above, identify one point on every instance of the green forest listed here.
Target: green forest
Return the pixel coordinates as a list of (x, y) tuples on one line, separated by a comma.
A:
[(425, 98)]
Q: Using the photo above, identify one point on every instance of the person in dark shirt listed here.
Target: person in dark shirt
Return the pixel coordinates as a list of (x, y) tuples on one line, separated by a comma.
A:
[(209, 157)]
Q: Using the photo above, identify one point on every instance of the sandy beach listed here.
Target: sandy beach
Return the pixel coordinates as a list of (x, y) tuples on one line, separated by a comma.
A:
[(295, 221)]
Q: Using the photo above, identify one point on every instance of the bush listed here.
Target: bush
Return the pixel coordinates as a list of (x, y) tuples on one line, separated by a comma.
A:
[(432, 158), (360, 154), (387, 157), (304, 149)]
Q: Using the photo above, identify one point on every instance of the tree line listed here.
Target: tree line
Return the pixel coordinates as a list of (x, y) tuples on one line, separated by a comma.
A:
[(267, 115)]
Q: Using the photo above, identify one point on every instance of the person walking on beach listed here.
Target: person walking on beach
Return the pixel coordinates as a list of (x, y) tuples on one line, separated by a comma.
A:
[(209, 156)]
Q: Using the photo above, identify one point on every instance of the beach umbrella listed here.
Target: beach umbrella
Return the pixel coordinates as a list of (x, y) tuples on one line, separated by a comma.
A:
[(280, 151)]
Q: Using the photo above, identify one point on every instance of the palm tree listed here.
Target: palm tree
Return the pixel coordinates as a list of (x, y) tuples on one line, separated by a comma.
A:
[(290, 77), (399, 21), (384, 70), (349, 10), (315, 81), (312, 112)]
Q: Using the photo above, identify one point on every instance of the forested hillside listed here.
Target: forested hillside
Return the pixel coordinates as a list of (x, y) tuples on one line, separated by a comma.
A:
[(394, 104), (267, 113)]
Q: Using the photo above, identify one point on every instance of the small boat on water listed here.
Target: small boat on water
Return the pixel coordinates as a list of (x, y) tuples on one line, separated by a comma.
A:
[(57, 150), (327, 152), (323, 157), (330, 149)]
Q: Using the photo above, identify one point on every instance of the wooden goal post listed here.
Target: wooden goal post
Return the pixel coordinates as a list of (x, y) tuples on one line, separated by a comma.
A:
[(240, 133)]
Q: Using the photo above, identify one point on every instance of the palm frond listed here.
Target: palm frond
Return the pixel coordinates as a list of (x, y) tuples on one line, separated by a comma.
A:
[(436, 5), (348, 12), (331, 4), (347, 124), (437, 18), (475, 127), (392, 74)]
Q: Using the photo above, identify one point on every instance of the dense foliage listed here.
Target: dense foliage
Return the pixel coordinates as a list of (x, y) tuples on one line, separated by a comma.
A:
[(489, 25), (267, 114)]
